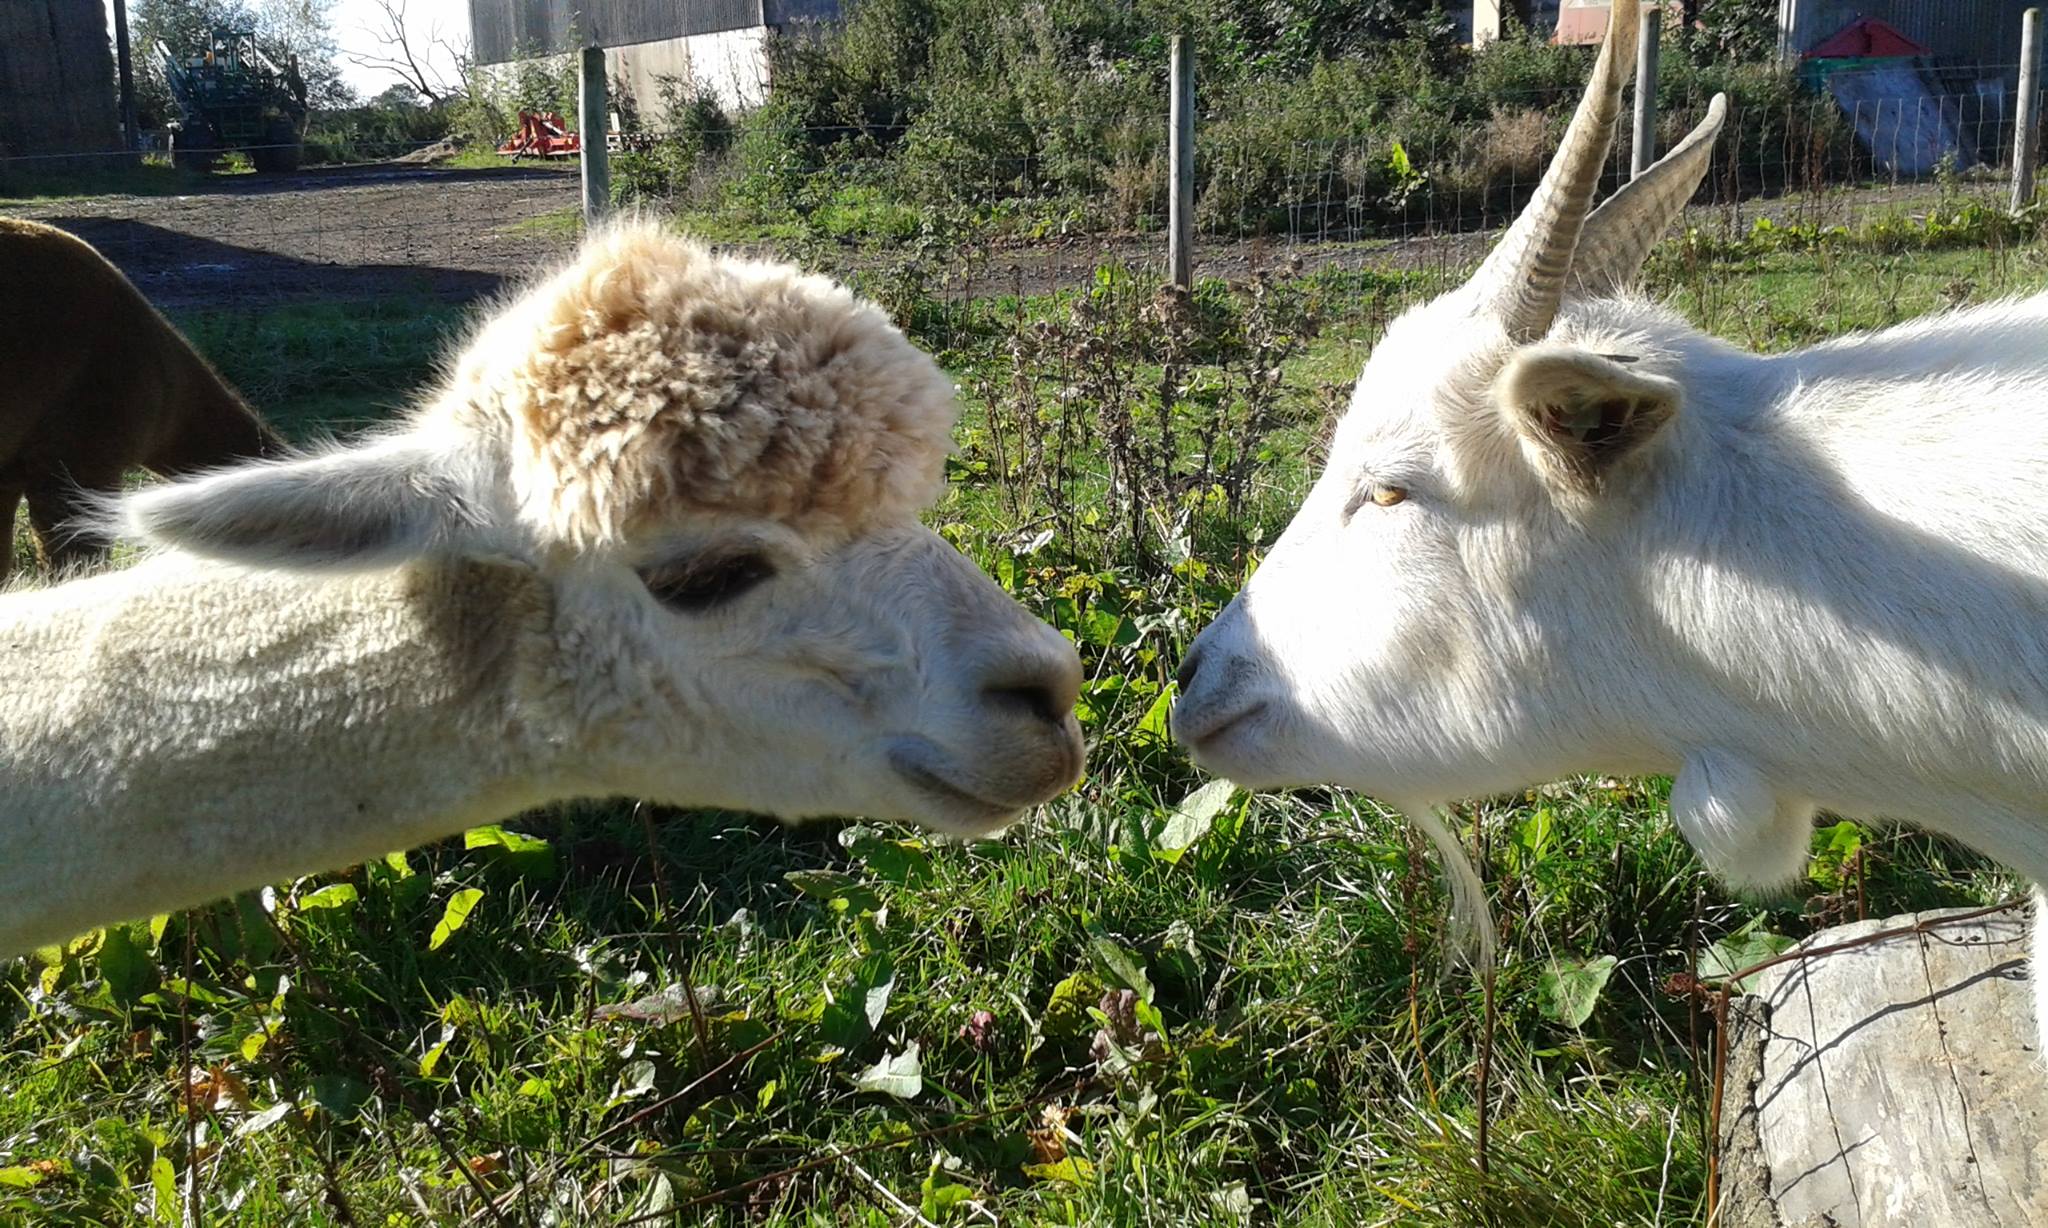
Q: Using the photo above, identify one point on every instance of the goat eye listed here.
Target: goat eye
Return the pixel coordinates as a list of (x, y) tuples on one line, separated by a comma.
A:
[(697, 587), (1379, 496)]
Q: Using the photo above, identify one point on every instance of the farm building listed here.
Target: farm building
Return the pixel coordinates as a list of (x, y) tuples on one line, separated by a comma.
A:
[(1565, 21), (1955, 32), (715, 45), (56, 79), (1580, 21)]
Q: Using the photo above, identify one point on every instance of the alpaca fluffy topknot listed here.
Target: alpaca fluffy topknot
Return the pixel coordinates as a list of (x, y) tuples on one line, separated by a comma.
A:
[(651, 378)]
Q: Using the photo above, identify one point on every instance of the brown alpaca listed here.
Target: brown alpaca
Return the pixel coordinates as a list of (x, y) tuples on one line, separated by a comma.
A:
[(93, 382)]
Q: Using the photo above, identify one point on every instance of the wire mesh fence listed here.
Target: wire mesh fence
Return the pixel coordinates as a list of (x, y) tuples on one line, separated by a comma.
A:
[(1018, 209), (228, 252)]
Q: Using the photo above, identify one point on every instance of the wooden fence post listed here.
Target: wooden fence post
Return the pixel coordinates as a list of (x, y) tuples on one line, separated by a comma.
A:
[(130, 139), (1180, 206), (2026, 117), (1648, 40), (591, 110)]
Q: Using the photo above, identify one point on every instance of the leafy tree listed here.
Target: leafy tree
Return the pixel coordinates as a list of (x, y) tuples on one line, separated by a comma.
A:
[(283, 28), (1735, 30)]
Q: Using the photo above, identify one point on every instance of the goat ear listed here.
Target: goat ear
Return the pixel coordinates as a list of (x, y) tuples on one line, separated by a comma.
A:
[(1582, 415), (354, 509)]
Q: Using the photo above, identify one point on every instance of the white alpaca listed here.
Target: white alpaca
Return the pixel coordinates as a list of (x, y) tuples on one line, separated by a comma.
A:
[(1562, 531), (655, 535)]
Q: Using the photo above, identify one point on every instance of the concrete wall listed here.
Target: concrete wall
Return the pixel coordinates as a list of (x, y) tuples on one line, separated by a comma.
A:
[(732, 64)]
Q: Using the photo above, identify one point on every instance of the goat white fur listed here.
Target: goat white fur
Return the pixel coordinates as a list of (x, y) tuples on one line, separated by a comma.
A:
[(656, 535), (1607, 542)]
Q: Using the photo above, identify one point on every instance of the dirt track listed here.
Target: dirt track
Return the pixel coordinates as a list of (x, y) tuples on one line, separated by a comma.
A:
[(388, 230), (343, 234), (377, 231)]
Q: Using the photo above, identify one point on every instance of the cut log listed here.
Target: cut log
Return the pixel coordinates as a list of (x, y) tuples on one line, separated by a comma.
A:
[(1890, 1085)]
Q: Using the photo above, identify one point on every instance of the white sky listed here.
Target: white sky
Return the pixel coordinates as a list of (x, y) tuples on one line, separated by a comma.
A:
[(355, 23)]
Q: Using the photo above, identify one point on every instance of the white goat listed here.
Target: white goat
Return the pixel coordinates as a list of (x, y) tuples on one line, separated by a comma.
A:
[(1562, 531), (655, 536)]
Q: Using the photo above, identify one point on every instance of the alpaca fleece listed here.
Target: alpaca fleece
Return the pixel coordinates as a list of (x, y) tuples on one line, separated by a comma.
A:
[(653, 377)]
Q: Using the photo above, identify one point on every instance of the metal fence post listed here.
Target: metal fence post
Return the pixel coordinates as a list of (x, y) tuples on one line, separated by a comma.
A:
[(1648, 40), (2023, 136), (1180, 207), (591, 109)]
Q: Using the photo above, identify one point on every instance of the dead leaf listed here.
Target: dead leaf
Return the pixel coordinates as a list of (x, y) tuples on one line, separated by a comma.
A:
[(1049, 1137), (670, 1005), (217, 1089)]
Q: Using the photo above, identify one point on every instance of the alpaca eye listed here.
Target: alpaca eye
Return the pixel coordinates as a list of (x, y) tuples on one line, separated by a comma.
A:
[(697, 587)]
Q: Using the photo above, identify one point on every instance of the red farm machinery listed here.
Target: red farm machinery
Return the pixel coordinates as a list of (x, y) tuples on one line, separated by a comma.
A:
[(542, 134)]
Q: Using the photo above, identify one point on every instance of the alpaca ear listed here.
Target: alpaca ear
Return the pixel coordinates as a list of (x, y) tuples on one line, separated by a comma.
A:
[(1582, 415), (355, 509)]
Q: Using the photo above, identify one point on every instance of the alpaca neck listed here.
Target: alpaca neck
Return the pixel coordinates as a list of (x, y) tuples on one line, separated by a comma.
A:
[(179, 731)]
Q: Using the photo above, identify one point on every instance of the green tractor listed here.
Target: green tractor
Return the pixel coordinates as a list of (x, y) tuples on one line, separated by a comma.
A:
[(232, 96)]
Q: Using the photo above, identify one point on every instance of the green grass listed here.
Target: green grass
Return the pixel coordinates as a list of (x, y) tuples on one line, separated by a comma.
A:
[(1293, 1049), (327, 368), (477, 158)]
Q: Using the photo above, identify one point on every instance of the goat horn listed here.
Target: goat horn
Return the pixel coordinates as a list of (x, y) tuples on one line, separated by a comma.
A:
[(1523, 279), (1620, 233)]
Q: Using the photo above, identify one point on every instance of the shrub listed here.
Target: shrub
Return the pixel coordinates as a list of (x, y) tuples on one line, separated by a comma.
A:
[(1522, 70), (1735, 30), (1285, 155), (1356, 117), (691, 136), (1783, 136), (770, 162), (970, 144), (1500, 162), (392, 123)]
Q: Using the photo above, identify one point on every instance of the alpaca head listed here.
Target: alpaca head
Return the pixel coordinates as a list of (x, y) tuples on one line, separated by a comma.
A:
[(715, 467)]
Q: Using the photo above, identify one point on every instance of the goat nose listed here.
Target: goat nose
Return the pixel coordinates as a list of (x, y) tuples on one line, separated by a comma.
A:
[(1189, 664), (1044, 683)]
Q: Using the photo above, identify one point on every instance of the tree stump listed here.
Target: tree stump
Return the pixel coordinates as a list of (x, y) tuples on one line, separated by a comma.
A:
[(1891, 1085)]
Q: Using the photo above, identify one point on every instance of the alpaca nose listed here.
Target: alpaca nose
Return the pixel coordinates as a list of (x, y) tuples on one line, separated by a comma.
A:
[(1042, 681), (1184, 677), (1036, 700)]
